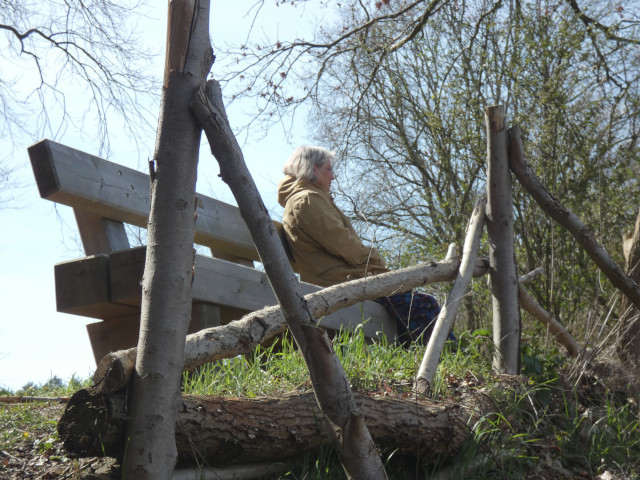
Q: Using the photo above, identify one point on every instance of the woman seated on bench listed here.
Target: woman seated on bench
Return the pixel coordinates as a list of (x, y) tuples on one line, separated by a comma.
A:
[(326, 247)]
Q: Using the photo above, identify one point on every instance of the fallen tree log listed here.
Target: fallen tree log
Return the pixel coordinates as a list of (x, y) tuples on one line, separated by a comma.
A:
[(220, 431)]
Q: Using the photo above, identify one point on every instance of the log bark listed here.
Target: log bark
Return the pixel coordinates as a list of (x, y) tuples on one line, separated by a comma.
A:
[(629, 338), (116, 369), (444, 324), (219, 431), (504, 276), (166, 283), (353, 442), (568, 220)]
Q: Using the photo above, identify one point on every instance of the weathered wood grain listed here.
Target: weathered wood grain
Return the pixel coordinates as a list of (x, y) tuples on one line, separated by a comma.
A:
[(82, 288), (229, 430), (89, 183)]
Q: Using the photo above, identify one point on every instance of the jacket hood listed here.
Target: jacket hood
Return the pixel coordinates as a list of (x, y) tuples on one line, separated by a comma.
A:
[(289, 186), (325, 247)]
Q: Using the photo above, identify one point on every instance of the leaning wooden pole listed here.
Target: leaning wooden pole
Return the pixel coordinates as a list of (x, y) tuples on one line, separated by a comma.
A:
[(429, 365), (629, 339), (503, 274), (243, 335), (556, 328), (568, 219), (353, 442)]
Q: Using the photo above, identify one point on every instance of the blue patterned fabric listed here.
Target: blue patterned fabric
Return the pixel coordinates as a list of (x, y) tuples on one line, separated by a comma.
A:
[(415, 315)]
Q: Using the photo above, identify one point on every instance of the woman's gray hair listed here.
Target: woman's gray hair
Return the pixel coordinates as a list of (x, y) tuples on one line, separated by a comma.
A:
[(304, 159)]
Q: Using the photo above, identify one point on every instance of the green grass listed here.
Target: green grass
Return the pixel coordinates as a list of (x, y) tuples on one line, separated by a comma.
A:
[(543, 426), (24, 422), (369, 368), (31, 421), (539, 423), (54, 387)]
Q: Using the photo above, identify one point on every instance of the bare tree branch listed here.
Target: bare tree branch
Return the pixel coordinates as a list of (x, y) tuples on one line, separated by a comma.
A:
[(75, 47), (591, 22)]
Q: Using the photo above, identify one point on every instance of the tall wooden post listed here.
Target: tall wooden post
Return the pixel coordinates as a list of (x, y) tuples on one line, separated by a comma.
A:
[(503, 273), (168, 274)]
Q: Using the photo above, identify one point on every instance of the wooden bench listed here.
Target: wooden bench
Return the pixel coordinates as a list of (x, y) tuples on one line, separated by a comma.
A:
[(105, 284)]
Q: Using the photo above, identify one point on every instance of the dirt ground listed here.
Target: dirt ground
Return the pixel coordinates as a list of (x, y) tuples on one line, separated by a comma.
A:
[(39, 456)]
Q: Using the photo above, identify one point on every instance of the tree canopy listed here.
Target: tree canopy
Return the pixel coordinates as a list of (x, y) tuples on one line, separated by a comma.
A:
[(66, 64), (399, 89)]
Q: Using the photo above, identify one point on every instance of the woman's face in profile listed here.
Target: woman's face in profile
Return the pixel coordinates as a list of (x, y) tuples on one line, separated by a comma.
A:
[(324, 176)]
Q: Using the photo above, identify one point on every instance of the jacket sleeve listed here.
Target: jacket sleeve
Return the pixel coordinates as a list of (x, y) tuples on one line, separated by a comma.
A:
[(319, 218)]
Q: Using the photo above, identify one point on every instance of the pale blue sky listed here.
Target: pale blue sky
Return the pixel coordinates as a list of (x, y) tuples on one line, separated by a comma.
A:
[(36, 342)]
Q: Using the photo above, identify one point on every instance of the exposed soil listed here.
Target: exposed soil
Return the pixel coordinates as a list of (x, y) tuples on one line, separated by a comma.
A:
[(38, 455)]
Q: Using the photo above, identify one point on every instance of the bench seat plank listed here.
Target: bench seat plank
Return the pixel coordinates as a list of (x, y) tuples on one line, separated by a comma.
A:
[(83, 288), (216, 282)]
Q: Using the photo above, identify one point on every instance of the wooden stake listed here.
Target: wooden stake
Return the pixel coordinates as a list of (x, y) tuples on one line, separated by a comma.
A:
[(444, 324), (503, 274)]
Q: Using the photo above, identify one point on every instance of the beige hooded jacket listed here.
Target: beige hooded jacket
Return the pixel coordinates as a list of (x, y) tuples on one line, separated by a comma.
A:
[(323, 242)]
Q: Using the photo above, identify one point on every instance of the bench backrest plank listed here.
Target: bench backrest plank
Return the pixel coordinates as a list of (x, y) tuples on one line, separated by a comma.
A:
[(91, 184)]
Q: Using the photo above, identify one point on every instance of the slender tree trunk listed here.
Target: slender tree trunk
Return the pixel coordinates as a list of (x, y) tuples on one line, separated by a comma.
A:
[(166, 284), (429, 364), (355, 447), (568, 220), (471, 322), (629, 339), (504, 277), (220, 431)]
